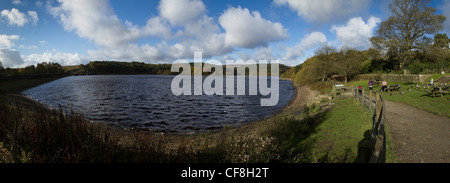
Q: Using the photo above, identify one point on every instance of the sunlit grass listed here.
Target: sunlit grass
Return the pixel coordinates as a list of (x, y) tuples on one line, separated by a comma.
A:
[(418, 98)]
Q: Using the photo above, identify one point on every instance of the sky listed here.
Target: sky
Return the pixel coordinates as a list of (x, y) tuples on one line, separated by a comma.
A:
[(73, 32)]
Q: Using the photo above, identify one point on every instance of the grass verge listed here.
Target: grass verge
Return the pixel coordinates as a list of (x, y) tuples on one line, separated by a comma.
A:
[(418, 98)]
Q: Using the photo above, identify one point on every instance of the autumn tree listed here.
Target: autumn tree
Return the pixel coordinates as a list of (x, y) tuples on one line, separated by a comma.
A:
[(348, 62), (408, 28), (441, 41), (324, 60)]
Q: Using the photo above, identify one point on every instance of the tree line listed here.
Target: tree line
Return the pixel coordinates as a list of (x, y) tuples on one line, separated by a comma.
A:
[(409, 41), (41, 69), (102, 68), (113, 67)]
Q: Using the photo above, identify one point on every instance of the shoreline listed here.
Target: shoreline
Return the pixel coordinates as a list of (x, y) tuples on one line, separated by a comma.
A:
[(18, 95), (229, 144)]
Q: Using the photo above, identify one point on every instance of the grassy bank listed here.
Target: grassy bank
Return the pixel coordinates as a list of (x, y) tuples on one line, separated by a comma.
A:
[(418, 98), (331, 135), (30, 132)]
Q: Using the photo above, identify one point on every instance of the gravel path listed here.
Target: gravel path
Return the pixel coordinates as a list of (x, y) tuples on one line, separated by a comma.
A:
[(418, 136)]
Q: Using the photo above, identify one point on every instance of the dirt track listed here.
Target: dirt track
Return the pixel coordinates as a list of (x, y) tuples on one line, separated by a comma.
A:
[(418, 136)]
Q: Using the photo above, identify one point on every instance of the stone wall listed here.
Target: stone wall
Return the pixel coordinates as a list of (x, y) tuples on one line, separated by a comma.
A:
[(415, 78)]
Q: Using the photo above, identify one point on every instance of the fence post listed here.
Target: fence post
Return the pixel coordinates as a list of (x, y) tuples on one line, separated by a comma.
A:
[(362, 96), (379, 105), (334, 92), (353, 91), (357, 93)]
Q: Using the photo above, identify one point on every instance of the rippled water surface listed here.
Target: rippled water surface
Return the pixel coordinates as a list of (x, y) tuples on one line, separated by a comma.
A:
[(146, 101)]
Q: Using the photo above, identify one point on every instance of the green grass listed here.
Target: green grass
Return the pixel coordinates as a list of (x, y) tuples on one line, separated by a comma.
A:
[(390, 154), (71, 67), (343, 128), (329, 136), (417, 98), (435, 77)]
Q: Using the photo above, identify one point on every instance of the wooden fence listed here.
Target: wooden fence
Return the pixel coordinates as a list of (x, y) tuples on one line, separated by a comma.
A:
[(373, 150)]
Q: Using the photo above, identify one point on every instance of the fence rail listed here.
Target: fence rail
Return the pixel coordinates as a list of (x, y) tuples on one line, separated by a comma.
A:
[(374, 151)]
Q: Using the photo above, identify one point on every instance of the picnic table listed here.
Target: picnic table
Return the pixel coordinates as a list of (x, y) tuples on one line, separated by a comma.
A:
[(439, 90), (394, 87)]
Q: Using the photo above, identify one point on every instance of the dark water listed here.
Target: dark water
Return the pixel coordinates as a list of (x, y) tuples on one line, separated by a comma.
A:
[(146, 101)]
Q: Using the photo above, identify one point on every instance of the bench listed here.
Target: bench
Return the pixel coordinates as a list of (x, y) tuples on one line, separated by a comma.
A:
[(338, 89)]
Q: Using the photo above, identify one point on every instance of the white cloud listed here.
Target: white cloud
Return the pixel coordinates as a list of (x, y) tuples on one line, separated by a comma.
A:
[(6, 41), (96, 21), (34, 17), (356, 33), (10, 58), (263, 53), (38, 3), (131, 52), (30, 47), (182, 23), (202, 35), (249, 30), (157, 27), (55, 57), (310, 41), (15, 17), (181, 12), (16, 2), (446, 11), (43, 43), (195, 33), (320, 11)]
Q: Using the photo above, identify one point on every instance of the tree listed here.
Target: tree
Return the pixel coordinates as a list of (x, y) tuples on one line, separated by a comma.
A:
[(441, 41), (1, 71), (325, 60), (348, 62), (407, 29), (41, 68)]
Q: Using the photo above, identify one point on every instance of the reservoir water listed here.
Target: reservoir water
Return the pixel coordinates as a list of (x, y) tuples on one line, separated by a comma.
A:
[(146, 101)]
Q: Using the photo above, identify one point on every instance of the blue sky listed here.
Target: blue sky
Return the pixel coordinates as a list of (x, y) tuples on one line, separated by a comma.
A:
[(72, 32)]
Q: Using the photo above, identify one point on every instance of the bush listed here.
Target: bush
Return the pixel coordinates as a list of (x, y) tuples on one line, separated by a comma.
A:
[(423, 68)]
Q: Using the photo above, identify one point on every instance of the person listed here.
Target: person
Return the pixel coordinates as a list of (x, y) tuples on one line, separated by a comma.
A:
[(431, 82), (384, 86), (370, 84)]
